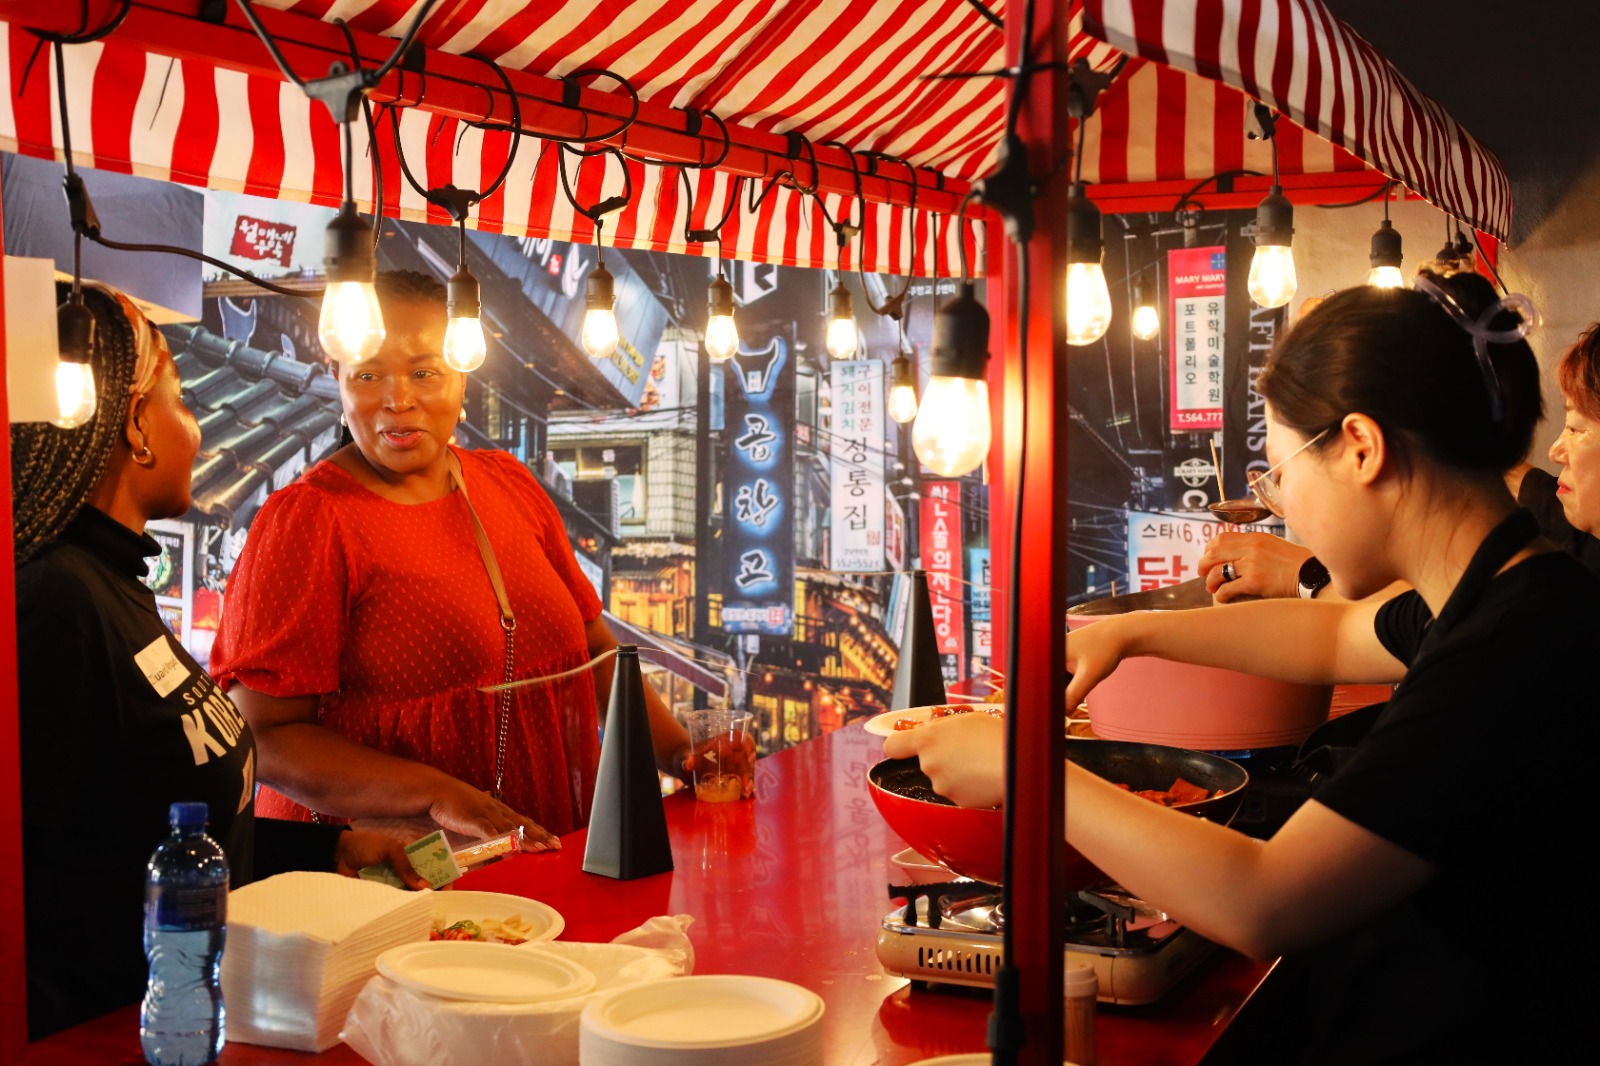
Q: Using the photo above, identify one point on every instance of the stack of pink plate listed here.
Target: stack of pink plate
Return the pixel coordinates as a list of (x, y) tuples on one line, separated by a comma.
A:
[(710, 1020)]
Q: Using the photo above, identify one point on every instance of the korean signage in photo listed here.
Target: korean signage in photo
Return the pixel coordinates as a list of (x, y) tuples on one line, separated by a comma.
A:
[(978, 567), (267, 237), (758, 593), (1164, 548), (941, 558), (1198, 290), (855, 458)]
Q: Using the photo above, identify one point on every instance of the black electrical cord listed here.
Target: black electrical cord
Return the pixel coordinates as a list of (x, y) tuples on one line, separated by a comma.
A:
[(84, 35), (86, 224), (456, 202), (570, 81), (369, 78), (1486, 261), (892, 306)]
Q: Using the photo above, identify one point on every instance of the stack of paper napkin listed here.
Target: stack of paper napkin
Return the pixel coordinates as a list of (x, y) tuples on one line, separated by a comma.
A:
[(299, 948)]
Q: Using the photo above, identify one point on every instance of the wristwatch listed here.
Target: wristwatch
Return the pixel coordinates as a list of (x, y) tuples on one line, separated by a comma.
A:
[(1314, 578)]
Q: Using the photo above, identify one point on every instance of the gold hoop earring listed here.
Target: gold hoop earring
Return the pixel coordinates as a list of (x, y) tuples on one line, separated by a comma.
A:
[(144, 456), (342, 420), (463, 416)]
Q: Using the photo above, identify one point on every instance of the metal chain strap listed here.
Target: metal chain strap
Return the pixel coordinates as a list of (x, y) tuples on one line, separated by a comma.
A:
[(510, 626)]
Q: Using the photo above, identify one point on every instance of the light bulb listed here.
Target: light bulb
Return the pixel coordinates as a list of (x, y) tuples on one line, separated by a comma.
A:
[(1088, 303), (903, 403), (722, 337), (351, 326), (75, 394), (1385, 277), (464, 346), (951, 434), (600, 336), (1272, 278), (842, 338), (1146, 322)]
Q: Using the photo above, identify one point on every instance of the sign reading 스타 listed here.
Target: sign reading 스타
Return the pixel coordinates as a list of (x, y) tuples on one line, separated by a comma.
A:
[(1164, 547)]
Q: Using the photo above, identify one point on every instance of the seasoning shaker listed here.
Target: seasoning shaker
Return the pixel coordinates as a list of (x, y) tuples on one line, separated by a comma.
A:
[(1082, 990)]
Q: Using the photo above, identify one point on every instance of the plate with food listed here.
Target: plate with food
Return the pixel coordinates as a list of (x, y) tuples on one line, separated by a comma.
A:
[(910, 717), (493, 918)]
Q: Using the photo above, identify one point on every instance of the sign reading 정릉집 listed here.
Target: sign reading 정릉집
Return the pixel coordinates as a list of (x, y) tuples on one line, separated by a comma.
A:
[(1198, 288), (855, 459)]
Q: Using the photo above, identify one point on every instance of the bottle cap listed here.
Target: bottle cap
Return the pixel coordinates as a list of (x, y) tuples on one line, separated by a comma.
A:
[(188, 815), (1081, 980)]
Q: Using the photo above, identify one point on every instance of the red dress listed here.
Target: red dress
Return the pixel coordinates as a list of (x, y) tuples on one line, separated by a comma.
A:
[(385, 612)]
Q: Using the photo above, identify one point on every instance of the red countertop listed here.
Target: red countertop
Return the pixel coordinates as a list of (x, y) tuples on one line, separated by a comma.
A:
[(792, 886)]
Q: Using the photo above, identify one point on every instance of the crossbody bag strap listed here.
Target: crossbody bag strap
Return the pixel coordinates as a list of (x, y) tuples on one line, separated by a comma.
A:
[(508, 624)]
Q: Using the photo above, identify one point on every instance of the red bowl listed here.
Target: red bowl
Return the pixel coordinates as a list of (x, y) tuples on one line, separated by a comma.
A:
[(968, 839)]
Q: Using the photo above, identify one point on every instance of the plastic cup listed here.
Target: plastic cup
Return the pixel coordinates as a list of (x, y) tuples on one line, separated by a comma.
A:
[(724, 755)]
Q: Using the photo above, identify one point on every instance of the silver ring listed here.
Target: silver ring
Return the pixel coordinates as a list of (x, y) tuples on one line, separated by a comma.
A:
[(1228, 572)]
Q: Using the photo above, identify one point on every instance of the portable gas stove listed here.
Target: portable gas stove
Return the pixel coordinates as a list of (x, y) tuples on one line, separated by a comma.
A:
[(950, 933)]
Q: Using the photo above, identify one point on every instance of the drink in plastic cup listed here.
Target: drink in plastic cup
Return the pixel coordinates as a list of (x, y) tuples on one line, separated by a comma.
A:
[(724, 755)]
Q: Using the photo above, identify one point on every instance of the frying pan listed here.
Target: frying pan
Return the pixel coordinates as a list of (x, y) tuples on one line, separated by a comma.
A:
[(968, 839)]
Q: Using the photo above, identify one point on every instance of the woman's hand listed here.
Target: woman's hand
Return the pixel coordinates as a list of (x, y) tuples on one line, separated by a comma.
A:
[(964, 756), (1094, 650), (1263, 565), (460, 808), (358, 849)]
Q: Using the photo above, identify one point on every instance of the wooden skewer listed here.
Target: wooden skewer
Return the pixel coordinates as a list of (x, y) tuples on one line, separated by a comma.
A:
[(1216, 466)]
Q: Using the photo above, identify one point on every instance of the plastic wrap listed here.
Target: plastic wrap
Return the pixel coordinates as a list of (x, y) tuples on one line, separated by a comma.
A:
[(392, 1026)]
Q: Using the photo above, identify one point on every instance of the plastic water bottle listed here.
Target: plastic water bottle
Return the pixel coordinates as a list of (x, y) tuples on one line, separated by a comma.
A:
[(185, 916)]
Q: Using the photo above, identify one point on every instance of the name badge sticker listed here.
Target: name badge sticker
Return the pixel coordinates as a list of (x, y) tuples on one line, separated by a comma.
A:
[(161, 666)]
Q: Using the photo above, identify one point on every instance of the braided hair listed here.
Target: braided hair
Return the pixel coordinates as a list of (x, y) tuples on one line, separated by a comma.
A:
[(54, 470)]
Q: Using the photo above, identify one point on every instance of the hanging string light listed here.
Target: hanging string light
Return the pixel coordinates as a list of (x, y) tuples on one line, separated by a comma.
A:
[(1386, 254), (1088, 297), (842, 330), (951, 433), (1272, 274), (722, 333), (903, 388), (350, 326), (600, 334), (1146, 319), (76, 394), (464, 346)]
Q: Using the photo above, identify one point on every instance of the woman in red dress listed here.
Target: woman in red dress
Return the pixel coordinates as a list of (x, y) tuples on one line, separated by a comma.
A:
[(361, 622)]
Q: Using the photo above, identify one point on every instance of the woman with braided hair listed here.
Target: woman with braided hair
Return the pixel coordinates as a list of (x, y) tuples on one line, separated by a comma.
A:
[(117, 721)]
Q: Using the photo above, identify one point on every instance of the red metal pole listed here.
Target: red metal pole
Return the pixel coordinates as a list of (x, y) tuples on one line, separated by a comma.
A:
[(13, 1005), (1038, 576)]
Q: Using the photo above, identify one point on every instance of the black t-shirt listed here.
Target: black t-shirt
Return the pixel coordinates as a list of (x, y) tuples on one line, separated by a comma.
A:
[(1538, 494), (117, 723), (1480, 764)]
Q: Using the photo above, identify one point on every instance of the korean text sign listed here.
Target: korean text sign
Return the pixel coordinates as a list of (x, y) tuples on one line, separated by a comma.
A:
[(1198, 289), (942, 559), (758, 591), (855, 459)]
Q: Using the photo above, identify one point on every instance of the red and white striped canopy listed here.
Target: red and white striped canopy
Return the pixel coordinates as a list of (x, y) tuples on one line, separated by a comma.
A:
[(150, 100)]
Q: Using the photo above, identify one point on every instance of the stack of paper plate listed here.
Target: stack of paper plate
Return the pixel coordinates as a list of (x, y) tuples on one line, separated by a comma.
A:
[(712, 1020), (484, 973)]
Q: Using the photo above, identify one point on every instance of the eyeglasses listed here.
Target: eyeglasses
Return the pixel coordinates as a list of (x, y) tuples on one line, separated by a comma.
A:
[(1265, 486)]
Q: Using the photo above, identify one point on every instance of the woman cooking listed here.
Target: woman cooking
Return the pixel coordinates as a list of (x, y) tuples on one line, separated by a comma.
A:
[(117, 721), (1392, 417), (1567, 506), (380, 591)]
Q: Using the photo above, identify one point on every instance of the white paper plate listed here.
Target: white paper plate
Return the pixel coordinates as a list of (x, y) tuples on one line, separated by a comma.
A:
[(921, 869), (451, 907), (979, 1058), (484, 973), (704, 1012), (883, 724)]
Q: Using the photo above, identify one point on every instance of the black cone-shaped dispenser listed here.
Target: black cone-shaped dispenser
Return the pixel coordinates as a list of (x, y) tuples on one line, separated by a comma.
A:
[(918, 681), (627, 826)]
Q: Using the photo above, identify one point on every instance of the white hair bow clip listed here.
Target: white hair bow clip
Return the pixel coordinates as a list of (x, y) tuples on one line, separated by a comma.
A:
[(1482, 333)]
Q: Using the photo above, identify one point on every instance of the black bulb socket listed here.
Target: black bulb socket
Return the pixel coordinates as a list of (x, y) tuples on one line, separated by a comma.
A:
[(720, 297), (599, 293), (461, 295), (902, 372), (74, 331), (1386, 246), (961, 337), (347, 250), (1274, 220), (1085, 240), (840, 303)]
